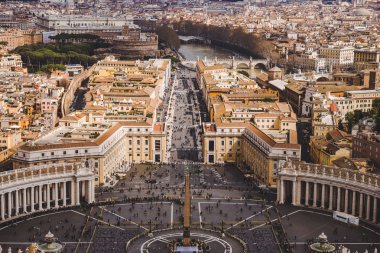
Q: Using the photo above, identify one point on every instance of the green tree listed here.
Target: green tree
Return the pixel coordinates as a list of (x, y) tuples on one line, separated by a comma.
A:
[(49, 68), (350, 118), (168, 36)]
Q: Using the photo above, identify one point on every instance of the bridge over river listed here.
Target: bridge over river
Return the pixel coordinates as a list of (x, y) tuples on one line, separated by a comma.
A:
[(248, 65)]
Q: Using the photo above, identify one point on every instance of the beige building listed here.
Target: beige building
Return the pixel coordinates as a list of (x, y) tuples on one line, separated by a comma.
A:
[(17, 37), (108, 149), (337, 56), (257, 153), (367, 59)]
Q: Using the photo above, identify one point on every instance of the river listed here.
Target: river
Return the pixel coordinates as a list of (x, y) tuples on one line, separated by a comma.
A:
[(192, 51)]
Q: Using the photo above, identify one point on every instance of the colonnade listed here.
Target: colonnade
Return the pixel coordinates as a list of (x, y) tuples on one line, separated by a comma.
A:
[(42, 188), (328, 196), (330, 188)]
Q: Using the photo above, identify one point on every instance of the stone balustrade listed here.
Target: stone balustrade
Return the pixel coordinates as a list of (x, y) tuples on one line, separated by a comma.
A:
[(44, 187), (331, 188)]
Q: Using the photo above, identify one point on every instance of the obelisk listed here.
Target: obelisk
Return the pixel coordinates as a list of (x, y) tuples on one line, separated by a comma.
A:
[(186, 213)]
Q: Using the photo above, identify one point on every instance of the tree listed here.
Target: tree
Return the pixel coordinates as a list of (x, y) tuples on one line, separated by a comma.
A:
[(49, 68), (168, 36), (350, 118)]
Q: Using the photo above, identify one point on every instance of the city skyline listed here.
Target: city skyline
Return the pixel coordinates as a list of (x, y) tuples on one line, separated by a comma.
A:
[(189, 126)]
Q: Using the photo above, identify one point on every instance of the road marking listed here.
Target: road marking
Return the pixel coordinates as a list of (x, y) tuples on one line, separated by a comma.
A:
[(250, 217), (98, 220), (28, 243), (35, 217), (200, 216), (343, 243), (121, 217), (275, 219), (171, 216)]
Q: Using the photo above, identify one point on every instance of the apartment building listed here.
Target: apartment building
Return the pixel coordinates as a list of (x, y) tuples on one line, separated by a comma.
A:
[(16, 37), (107, 147), (257, 153), (355, 100), (368, 58), (10, 61), (83, 23), (367, 145), (250, 127), (338, 56), (9, 140)]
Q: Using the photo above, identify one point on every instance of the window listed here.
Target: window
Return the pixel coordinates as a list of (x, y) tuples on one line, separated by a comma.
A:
[(86, 151), (64, 152), (222, 143), (138, 142), (43, 154), (130, 142), (76, 151), (52, 153), (211, 146), (146, 142), (211, 158), (157, 145)]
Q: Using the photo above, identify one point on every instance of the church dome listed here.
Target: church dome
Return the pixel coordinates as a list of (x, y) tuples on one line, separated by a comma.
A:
[(362, 12)]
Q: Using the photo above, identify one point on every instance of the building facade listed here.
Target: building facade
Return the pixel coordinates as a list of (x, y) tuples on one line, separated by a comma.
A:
[(258, 154), (40, 188), (330, 188), (109, 150)]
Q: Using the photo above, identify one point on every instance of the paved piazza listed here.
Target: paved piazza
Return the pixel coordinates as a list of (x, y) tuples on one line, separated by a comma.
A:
[(139, 207)]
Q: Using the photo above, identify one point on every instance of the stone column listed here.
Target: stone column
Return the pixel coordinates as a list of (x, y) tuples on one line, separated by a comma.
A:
[(56, 195), (77, 191), (361, 205), (323, 195), (64, 193), (279, 191), (16, 202), (47, 196), (307, 194), (368, 209), (353, 211), (32, 199), (24, 199), (294, 192), (315, 194), (374, 210), (92, 191), (282, 192), (40, 197), (72, 193), (346, 201), (89, 195), (10, 204), (83, 186), (331, 197), (338, 200), (2, 200), (299, 188)]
